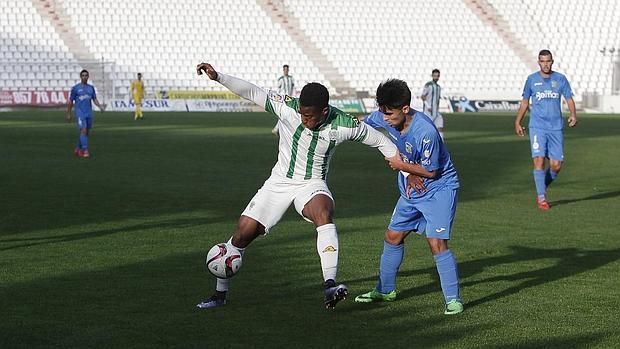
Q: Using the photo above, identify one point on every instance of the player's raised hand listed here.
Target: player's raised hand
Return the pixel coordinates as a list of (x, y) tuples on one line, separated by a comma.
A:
[(207, 68), (572, 121), (519, 130)]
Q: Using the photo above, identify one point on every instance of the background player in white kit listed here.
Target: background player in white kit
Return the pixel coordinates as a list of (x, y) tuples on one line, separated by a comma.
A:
[(431, 96), (310, 129)]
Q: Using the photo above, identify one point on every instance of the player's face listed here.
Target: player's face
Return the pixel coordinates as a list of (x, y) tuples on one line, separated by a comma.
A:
[(84, 77), (285, 70), (545, 63), (312, 117), (435, 77), (395, 117), (139, 76)]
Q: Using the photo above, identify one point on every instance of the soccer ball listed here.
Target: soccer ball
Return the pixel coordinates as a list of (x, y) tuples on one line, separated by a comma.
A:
[(223, 260)]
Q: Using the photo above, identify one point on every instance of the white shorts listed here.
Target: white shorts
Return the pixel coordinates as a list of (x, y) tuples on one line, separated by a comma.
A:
[(276, 195), (438, 120)]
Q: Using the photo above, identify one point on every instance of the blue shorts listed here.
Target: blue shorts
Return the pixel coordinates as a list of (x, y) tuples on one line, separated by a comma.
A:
[(86, 123), (548, 144), (431, 217)]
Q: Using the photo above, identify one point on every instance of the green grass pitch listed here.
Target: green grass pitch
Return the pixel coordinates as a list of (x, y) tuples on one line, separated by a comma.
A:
[(108, 252)]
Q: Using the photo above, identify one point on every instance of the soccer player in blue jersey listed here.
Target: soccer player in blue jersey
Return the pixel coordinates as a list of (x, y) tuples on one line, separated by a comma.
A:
[(429, 210), (82, 95), (546, 87)]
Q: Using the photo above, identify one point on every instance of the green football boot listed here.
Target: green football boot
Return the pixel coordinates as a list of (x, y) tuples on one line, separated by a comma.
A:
[(453, 307), (376, 296)]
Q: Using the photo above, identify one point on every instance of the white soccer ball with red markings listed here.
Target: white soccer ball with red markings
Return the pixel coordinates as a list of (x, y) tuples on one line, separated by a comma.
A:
[(223, 260)]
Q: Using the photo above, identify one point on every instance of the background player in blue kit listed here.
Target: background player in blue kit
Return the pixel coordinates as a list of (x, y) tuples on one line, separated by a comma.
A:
[(430, 210), (81, 95), (546, 87)]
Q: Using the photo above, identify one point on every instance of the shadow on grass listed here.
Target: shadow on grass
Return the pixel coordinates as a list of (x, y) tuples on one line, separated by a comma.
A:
[(34, 241), (607, 195), (569, 262)]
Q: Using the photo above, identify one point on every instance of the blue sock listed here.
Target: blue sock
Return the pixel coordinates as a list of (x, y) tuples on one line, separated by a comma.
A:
[(448, 275), (391, 259), (539, 180), (550, 176), (84, 141)]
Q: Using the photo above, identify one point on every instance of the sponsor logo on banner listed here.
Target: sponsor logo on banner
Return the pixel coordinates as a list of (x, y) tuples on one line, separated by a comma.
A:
[(178, 94), (149, 105), (217, 105), (463, 105), (348, 105), (34, 98)]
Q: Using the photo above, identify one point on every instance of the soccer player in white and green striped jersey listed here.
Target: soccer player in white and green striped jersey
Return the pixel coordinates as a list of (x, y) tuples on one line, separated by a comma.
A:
[(286, 87), (431, 96), (310, 129)]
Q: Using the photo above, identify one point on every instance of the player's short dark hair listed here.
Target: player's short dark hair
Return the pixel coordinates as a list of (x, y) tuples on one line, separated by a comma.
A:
[(285, 66), (84, 71), (314, 95), (393, 94), (139, 73), (545, 52), (435, 71)]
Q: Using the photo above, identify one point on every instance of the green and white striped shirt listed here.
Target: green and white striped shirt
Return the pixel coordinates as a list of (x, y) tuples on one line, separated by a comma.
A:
[(305, 154), (286, 85), (432, 91)]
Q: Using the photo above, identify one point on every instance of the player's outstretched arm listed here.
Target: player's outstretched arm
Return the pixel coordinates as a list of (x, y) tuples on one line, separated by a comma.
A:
[(238, 86), (572, 119), (69, 107), (520, 114), (101, 106)]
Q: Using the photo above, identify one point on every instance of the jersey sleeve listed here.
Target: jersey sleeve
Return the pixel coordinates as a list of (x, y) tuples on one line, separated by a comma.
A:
[(527, 91), (244, 89), (374, 119), (429, 146), (73, 94), (369, 136), (566, 90), (94, 93)]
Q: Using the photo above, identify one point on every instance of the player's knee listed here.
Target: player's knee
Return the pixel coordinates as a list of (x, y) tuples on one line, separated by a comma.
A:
[(556, 167), (394, 238), (321, 217), (247, 230), (437, 245)]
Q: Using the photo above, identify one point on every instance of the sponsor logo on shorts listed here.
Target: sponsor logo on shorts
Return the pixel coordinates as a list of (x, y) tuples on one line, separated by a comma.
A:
[(329, 248), (535, 144), (251, 205), (440, 230)]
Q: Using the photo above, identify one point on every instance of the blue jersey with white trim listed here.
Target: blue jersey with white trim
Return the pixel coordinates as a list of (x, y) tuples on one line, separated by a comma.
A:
[(82, 96), (420, 144), (546, 107)]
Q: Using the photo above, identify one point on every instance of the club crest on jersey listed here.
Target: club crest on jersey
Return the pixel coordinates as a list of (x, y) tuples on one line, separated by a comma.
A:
[(333, 135), (274, 96), (408, 147), (554, 84), (288, 98)]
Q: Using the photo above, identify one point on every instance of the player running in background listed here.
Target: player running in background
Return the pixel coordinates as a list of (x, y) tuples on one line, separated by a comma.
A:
[(429, 210), (81, 95), (137, 92), (310, 129), (286, 87), (431, 96), (546, 87)]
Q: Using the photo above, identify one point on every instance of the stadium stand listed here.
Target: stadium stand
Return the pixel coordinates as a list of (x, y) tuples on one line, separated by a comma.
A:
[(365, 41)]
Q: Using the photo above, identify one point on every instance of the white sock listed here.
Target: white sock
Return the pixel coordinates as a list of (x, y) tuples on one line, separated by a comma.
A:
[(221, 285), (327, 247)]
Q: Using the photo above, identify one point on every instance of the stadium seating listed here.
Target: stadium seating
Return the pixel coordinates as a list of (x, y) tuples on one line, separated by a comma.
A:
[(574, 31), (33, 56), (366, 41)]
